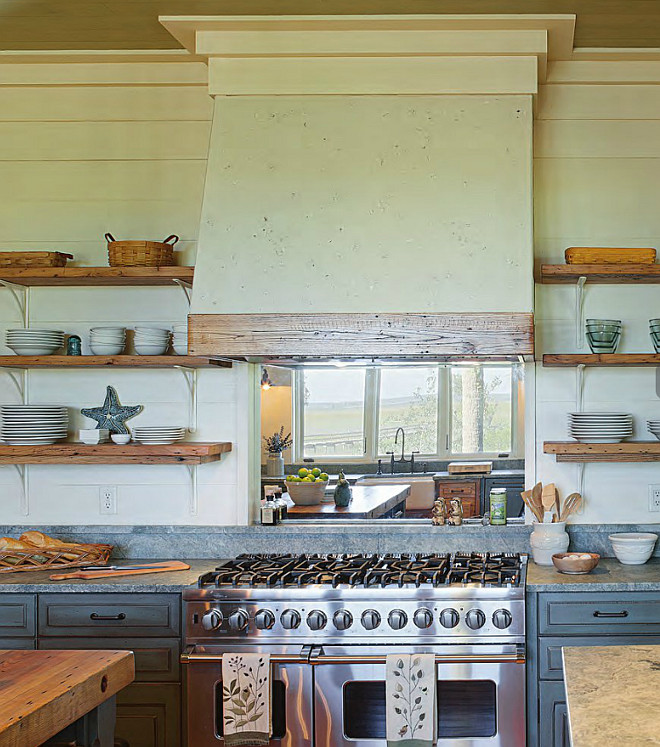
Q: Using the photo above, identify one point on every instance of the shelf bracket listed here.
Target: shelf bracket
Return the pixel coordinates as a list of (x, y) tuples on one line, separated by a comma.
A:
[(192, 503), (579, 311), (185, 287), (24, 474), (21, 296), (579, 386), (20, 381), (581, 467), (190, 376)]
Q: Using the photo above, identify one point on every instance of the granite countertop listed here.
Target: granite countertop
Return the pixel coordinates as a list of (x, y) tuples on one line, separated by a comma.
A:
[(37, 582), (613, 695), (609, 575)]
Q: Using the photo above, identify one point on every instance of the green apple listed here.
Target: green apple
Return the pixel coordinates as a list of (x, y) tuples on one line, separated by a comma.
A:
[(302, 472)]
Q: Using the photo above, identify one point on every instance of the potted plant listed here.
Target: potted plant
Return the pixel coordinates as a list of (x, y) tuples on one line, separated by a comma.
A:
[(275, 445)]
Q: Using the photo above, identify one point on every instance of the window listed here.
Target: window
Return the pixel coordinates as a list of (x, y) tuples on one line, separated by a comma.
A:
[(344, 414)]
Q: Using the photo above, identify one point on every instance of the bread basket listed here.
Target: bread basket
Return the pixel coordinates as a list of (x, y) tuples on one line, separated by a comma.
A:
[(45, 553), (34, 259), (141, 253)]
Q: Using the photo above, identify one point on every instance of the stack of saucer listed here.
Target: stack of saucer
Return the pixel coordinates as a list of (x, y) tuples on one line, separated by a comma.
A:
[(180, 339), (151, 341), (33, 425), (34, 341), (654, 428), (158, 434), (600, 427), (107, 340)]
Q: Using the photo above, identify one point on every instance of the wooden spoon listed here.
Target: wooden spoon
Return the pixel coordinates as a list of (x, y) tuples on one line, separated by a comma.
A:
[(572, 505), (557, 506), (548, 496), (537, 501)]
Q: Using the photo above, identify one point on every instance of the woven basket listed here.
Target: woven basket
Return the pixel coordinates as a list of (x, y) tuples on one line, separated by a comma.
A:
[(34, 259), (141, 253), (53, 558)]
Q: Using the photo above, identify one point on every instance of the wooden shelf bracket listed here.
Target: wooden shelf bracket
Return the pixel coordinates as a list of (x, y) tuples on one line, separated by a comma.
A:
[(190, 377), (21, 296)]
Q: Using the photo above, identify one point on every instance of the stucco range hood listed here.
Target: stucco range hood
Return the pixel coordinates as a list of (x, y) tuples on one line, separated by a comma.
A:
[(368, 194)]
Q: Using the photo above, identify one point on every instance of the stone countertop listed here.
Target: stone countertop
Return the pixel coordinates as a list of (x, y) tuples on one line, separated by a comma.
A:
[(613, 695), (609, 575), (37, 582)]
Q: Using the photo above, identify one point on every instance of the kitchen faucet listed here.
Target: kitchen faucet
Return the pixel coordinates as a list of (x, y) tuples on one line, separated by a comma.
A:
[(403, 442), (403, 459)]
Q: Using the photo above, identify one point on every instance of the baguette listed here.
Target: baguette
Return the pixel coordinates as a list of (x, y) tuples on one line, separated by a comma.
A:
[(41, 540)]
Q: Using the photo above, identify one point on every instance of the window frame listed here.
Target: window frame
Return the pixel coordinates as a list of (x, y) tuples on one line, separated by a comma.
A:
[(370, 422)]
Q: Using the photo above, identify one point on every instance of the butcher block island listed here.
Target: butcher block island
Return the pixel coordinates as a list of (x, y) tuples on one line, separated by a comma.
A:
[(66, 693)]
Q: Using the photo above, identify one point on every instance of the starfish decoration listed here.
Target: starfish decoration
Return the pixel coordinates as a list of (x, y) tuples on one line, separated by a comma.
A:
[(111, 414)]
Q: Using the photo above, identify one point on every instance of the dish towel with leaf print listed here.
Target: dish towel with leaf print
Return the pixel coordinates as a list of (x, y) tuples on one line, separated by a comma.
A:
[(246, 715), (410, 687)]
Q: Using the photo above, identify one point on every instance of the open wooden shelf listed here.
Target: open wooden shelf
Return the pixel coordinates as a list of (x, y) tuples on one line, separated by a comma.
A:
[(68, 453), (110, 361), (71, 276), (564, 360), (626, 451), (600, 273)]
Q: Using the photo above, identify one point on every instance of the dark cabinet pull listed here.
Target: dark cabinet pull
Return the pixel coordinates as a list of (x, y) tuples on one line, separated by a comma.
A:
[(120, 616), (624, 613)]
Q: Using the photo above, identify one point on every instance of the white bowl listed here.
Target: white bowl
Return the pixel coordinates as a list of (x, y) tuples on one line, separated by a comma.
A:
[(146, 349), (104, 349), (33, 350), (633, 548), (121, 438)]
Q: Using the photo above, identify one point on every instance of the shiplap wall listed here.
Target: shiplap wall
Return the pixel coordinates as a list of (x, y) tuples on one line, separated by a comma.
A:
[(597, 158), (87, 148)]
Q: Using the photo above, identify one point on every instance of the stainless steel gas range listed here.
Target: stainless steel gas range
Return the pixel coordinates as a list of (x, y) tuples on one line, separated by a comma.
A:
[(328, 622)]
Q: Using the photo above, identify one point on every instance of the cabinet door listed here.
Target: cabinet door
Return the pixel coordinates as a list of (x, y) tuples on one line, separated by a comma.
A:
[(149, 716), (17, 643), (466, 490), (17, 613), (553, 716)]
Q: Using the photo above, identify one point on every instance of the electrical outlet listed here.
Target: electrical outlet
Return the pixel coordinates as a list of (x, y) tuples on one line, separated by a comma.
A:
[(108, 499), (654, 497)]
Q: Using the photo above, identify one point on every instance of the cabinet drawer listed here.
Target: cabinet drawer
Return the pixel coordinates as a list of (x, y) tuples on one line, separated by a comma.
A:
[(156, 659), (550, 660), (149, 716), (17, 615), (148, 615), (451, 489), (614, 614)]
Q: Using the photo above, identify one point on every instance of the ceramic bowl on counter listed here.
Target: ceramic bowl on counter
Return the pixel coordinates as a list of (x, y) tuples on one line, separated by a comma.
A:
[(633, 548), (306, 493), (575, 563)]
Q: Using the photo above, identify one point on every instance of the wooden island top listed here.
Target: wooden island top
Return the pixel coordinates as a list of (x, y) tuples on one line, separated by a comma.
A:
[(369, 502), (42, 692)]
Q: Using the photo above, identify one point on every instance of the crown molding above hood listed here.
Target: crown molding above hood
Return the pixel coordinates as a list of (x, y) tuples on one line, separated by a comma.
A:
[(291, 339)]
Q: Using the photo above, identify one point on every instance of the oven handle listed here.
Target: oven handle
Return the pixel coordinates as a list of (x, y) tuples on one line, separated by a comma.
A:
[(189, 657)]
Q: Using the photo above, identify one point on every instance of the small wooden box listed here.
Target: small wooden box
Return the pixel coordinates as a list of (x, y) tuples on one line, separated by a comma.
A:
[(470, 468), (608, 255)]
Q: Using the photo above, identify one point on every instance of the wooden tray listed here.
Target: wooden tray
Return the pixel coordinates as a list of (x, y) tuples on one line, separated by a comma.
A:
[(53, 558), (608, 255)]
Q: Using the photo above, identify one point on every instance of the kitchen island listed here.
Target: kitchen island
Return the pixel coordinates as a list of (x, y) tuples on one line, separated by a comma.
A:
[(368, 502), (65, 693), (613, 695)]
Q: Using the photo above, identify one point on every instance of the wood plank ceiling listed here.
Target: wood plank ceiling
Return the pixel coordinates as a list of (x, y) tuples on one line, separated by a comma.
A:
[(133, 24)]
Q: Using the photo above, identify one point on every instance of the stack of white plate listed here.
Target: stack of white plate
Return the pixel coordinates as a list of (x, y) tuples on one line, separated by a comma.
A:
[(600, 427), (107, 340), (158, 434), (34, 341), (654, 428), (151, 341), (33, 425), (180, 339)]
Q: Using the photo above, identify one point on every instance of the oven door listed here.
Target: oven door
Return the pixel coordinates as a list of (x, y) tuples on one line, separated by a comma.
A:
[(291, 699), (480, 698)]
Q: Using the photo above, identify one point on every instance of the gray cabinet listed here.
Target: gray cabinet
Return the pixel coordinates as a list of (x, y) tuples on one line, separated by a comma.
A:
[(558, 619), (149, 710)]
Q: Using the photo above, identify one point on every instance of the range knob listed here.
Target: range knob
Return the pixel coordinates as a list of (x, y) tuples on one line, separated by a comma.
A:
[(317, 620), (370, 619), (264, 620), (449, 618), (290, 619), (502, 619), (397, 619), (423, 618), (475, 619), (212, 620), (238, 620), (342, 619)]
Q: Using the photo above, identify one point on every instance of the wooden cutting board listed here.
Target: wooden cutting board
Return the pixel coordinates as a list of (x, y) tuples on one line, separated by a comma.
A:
[(170, 565), (460, 468)]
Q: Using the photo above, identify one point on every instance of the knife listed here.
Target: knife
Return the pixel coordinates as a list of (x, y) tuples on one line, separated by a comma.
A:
[(122, 567)]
